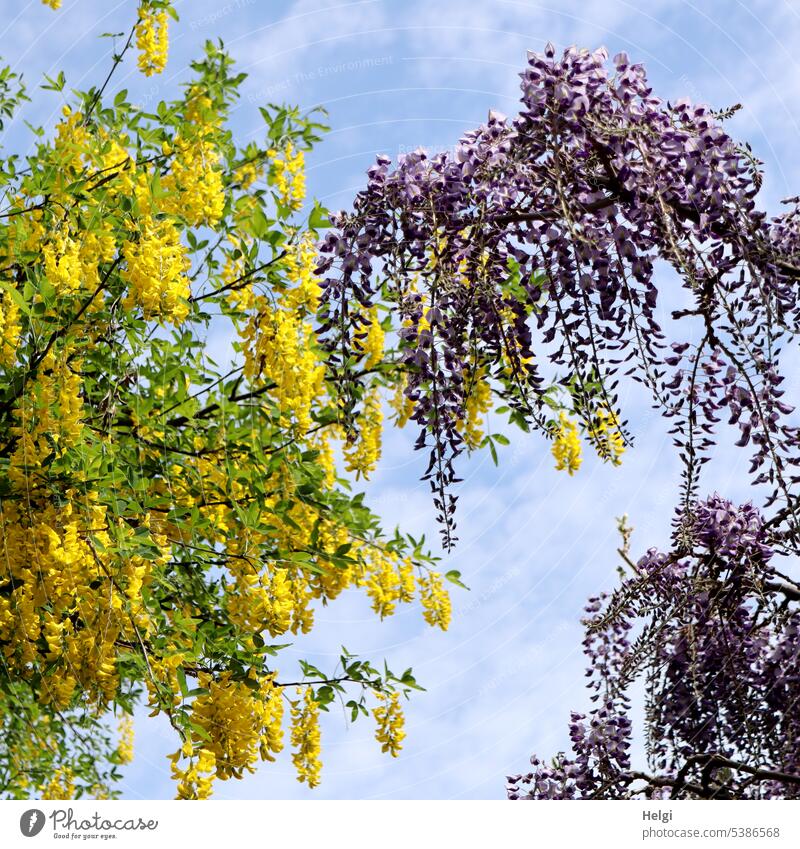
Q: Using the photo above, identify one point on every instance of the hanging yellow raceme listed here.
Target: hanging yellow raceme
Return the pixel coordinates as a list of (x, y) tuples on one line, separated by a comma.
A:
[(125, 741), (62, 263), (193, 188), (288, 175), (436, 604), (60, 787), (152, 41), (477, 404), (306, 738), (401, 404), (10, 329), (372, 344), (155, 270), (389, 579), (303, 291), (196, 779), (566, 447), (390, 721), (609, 441), (280, 347), (362, 455)]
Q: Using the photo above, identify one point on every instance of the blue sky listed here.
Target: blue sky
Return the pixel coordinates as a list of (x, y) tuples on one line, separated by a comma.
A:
[(395, 74)]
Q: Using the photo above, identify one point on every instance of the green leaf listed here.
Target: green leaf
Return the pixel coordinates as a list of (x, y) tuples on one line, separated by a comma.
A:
[(454, 576), (182, 681), (319, 218)]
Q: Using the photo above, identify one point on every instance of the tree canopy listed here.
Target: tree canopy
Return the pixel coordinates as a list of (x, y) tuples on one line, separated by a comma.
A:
[(169, 523)]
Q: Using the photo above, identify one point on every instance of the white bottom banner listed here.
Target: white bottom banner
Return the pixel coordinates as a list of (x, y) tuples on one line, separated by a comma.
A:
[(589, 825)]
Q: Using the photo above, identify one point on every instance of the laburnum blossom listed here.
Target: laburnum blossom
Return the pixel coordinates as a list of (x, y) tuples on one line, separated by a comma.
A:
[(306, 738), (193, 186), (390, 723), (152, 40), (477, 403), (567, 445), (287, 172), (156, 266), (362, 453), (435, 600), (10, 329), (125, 741), (61, 785)]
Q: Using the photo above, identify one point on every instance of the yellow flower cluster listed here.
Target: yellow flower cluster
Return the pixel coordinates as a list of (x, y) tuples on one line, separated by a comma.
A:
[(300, 261), (71, 143), (235, 718), (567, 445), (69, 607), (288, 175), (48, 420), (402, 405), (152, 41), (241, 724), (389, 717), (247, 174), (436, 604), (362, 455), (195, 781), (125, 741), (240, 295), (62, 263), (60, 787), (53, 4), (389, 580), (10, 329), (371, 345), (326, 461), (194, 187), (476, 405), (608, 440), (71, 264), (155, 270), (306, 738), (279, 347), (261, 600)]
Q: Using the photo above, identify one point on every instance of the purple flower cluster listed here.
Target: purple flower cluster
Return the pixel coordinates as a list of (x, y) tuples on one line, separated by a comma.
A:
[(601, 742), (730, 532), (540, 236), (532, 250), (600, 739), (720, 660)]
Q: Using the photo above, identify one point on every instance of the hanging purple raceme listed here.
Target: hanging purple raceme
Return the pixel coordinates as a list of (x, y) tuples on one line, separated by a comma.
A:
[(537, 243), (713, 631)]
